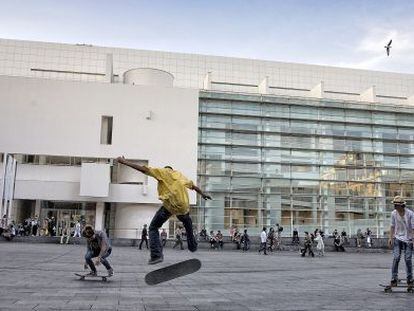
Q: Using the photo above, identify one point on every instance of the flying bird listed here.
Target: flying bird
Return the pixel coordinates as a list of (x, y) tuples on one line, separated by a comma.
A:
[(387, 47)]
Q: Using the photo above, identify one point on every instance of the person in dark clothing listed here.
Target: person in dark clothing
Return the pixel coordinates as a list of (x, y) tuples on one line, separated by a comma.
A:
[(237, 238), (163, 236), (271, 239), (178, 238), (245, 240), (203, 234), (307, 246), (339, 243), (295, 237), (144, 237), (213, 240), (219, 239), (99, 247)]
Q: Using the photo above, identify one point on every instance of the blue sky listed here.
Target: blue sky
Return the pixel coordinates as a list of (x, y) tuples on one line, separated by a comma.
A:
[(337, 33)]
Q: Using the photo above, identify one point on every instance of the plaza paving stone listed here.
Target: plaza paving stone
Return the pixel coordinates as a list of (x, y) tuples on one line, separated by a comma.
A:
[(40, 277)]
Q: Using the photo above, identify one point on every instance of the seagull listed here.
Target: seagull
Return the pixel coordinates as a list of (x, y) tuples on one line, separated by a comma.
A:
[(387, 47)]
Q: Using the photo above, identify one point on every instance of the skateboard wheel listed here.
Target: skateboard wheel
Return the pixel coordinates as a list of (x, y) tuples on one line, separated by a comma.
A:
[(82, 278), (387, 290), (104, 279), (410, 290)]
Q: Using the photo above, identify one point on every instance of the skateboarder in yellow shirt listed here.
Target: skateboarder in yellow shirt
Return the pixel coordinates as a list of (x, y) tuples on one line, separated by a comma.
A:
[(172, 191)]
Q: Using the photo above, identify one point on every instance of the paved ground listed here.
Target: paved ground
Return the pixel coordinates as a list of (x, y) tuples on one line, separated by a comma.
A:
[(40, 277)]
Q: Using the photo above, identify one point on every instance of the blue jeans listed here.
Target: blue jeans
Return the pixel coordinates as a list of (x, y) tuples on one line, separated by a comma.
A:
[(408, 252), (92, 254), (161, 216)]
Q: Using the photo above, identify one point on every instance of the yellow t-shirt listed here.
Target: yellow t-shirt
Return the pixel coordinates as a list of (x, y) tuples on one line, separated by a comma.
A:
[(172, 189)]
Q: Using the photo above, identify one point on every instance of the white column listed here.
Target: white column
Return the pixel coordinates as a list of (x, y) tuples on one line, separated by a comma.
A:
[(37, 208), (263, 87), (317, 90), (207, 81), (369, 95), (109, 74), (410, 100), (2, 207), (99, 215)]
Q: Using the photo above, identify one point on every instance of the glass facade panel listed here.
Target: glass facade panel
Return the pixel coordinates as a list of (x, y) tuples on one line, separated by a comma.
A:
[(302, 165)]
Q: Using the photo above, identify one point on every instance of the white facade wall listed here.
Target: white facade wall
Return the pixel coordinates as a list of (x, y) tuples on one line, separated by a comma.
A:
[(88, 63), (63, 118)]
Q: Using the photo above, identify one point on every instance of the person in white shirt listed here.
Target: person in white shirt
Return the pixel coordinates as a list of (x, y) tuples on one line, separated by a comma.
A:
[(77, 232), (401, 238), (263, 239), (321, 246)]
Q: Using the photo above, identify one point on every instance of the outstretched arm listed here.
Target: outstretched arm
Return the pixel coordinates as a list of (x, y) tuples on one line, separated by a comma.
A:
[(142, 169), (198, 190)]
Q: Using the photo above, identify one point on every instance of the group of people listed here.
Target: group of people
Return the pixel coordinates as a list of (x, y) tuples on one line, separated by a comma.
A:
[(172, 190), (33, 226)]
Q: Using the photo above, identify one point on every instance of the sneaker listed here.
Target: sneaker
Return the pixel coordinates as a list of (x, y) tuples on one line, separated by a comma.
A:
[(394, 283), (155, 260), (92, 273), (110, 272)]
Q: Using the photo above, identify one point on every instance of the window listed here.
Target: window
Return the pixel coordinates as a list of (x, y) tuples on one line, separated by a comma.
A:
[(106, 130)]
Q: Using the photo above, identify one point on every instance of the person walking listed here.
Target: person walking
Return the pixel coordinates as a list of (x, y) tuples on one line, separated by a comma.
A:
[(320, 247), (401, 239), (245, 241), (172, 191), (307, 245), (263, 239), (144, 237), (359, 238), (219, 238), (77, 231)]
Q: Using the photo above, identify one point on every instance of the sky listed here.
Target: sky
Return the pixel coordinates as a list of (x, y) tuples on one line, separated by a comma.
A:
[(345, 33)]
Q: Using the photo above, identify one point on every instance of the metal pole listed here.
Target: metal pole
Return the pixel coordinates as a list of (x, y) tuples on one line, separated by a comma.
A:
[(2, 184)]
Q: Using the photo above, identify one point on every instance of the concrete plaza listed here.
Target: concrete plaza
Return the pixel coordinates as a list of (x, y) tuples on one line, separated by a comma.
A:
[(40, 277)]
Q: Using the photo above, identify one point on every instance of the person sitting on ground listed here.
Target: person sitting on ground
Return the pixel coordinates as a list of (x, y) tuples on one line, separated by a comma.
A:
[(213, 240), (99, 247), (203, 234), (65, 234)]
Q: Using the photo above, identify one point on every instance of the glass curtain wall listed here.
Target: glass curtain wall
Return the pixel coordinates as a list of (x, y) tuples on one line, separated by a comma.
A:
[(304, 164)]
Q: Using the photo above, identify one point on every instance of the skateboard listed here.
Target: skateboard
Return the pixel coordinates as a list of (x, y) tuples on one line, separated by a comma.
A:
[(173, 271), (85, 276), (388, 288)]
